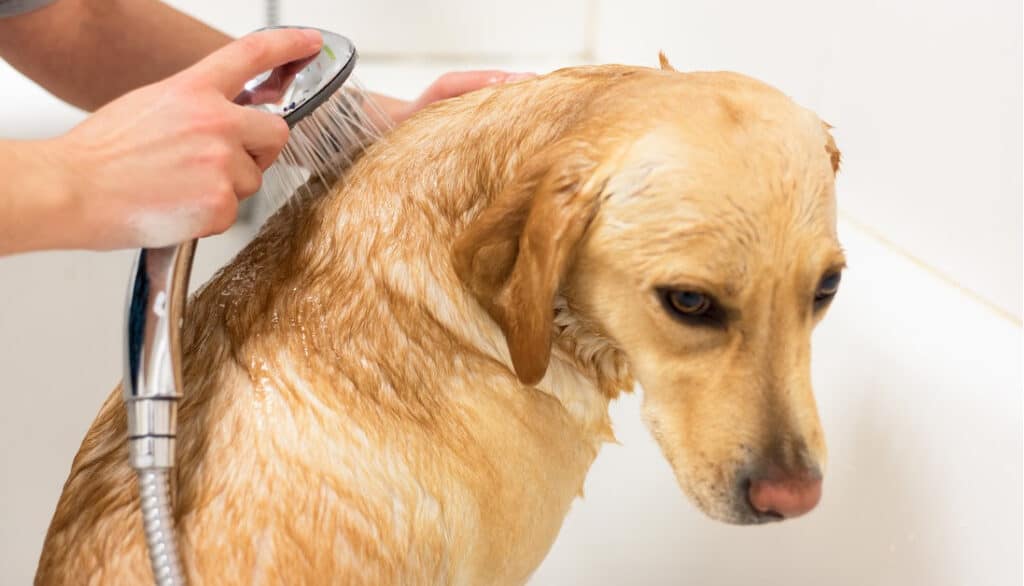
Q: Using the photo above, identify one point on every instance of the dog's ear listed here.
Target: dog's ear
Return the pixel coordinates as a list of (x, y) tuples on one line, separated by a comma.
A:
[(830, 147), (663, 61), (514, 256)]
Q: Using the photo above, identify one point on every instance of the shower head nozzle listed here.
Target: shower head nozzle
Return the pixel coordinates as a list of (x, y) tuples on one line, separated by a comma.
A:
[(295, 90)]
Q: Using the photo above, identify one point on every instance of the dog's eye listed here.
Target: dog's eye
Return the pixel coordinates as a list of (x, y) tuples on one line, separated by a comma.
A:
[(691, 307), (827, 288), (689, 302)]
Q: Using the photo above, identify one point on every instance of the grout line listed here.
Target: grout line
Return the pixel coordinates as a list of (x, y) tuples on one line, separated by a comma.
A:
[(892, 246)]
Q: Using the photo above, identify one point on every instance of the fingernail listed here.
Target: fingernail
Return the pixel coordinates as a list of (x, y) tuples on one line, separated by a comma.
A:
[(514, 77)]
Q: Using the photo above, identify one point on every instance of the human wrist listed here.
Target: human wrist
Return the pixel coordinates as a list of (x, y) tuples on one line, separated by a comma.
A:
[(61, 191), (37, 204)]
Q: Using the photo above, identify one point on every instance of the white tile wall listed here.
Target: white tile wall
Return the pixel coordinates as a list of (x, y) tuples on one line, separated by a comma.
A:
[(781, 42), (927, 98), (453, 28), (403, 28)]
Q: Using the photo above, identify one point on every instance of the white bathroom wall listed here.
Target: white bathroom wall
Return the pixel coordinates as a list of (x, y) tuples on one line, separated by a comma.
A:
[(917, 369), (455, 29)]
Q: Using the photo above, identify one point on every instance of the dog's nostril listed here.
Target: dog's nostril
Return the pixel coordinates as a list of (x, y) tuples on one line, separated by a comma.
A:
[(745, 491), (783, 497)]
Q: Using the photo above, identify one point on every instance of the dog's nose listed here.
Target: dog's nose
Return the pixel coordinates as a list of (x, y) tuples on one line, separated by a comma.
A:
[(786, 496)]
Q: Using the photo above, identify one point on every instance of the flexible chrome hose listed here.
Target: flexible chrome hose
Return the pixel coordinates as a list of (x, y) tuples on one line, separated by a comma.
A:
[(158, 524)]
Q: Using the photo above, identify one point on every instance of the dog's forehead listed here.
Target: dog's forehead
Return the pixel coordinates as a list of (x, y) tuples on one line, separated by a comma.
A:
[(719, 200), (706, 172)]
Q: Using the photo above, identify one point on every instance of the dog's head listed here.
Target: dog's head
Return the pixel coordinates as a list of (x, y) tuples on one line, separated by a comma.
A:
[(689, 219)]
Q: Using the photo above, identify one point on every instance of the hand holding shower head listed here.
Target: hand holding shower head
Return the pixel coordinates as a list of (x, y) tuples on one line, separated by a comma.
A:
[(331, 117), (329, 125)]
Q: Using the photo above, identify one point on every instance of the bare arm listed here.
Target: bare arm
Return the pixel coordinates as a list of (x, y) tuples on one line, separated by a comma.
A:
[(165, 162), (34, 200), (88, 52), (159, 165)]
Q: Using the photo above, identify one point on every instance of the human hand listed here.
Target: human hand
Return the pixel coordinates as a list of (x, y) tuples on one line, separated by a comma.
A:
[(447, 86), (168, 162)]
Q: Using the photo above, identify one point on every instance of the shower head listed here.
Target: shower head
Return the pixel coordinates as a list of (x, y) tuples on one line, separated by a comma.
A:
[(295, 90)]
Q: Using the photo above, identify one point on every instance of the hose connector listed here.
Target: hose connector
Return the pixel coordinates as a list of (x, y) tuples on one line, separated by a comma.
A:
[(153, 380)]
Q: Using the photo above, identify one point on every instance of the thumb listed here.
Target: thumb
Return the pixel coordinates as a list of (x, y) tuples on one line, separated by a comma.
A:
[(228, 68)]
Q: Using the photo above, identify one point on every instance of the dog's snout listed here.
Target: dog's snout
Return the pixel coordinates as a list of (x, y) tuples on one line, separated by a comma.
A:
[(784, 495)]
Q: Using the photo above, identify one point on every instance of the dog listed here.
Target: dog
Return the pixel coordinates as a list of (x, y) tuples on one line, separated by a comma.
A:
[(405, 379)]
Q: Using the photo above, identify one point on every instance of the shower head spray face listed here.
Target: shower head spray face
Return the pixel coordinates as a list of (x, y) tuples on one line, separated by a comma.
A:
[(332, 117), (295, 90)]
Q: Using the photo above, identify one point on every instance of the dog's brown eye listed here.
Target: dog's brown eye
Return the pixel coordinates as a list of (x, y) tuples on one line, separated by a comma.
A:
[(693, 308), (689, 302), (827, 288)]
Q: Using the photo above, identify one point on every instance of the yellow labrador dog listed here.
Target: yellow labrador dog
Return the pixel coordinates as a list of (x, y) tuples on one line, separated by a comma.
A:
[(405, 380)]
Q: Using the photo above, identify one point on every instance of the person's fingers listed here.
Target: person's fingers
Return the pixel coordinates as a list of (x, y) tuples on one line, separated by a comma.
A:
[(228, 68), (457, 83), (263, 135), (246, 175), (273, 86), (221, 217)]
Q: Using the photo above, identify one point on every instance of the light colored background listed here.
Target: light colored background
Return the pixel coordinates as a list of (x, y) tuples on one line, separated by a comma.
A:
[(917, 369)]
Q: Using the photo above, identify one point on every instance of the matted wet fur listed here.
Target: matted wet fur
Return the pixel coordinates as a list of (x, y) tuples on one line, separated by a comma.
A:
[(405, 380)]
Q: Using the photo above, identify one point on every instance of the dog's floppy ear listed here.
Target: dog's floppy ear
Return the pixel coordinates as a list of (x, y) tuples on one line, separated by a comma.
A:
[(830, 147), (514, 255)]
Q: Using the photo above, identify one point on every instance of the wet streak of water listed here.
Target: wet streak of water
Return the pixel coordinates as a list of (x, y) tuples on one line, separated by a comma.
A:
[(325, 144)]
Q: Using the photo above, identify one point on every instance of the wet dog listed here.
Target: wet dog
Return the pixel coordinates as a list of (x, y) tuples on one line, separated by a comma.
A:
[(405, 379)]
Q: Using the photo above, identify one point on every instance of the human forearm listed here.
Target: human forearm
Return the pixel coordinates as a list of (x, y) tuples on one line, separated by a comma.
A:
[(36, 211), (160, 165), (88, 52)]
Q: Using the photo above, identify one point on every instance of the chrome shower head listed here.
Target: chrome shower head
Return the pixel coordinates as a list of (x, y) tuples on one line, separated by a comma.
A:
[(295, 90)]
